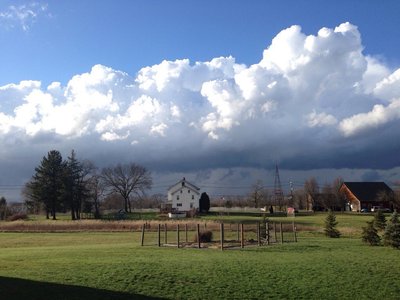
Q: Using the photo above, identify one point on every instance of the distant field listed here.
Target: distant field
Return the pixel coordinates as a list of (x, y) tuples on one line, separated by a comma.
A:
[(349, 223), (112, 265)]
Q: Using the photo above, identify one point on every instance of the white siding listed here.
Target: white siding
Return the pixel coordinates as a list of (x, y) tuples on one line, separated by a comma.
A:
[(184, 196)]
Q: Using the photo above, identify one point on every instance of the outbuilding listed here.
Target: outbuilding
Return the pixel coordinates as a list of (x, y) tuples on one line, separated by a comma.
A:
[(366, 195)]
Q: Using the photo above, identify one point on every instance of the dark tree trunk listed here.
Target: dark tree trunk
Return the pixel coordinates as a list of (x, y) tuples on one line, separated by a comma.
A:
[(126, 205), (96, 210), (72, 211), (129, 204), (53, 209)]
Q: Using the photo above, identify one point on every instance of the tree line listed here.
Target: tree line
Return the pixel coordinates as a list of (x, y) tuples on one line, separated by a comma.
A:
[(60, 185), (329, 197)]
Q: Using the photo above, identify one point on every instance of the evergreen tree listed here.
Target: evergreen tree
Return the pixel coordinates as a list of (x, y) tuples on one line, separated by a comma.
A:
[(75, 191), (47, 183), (391, 236), (370, 234), (204, 203), (330, 226), (3, 208), (379, 220)]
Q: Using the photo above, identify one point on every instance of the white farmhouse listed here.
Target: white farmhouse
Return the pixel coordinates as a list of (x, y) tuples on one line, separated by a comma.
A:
[(184, 196)]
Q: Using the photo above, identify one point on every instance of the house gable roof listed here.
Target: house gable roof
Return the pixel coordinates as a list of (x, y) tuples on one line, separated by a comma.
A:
[(183, 183), (367, 191)]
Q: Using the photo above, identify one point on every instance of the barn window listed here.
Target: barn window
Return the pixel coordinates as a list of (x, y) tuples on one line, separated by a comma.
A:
[(191, 205), (192, 196), (189, 191), (177, 197), (179, 204)]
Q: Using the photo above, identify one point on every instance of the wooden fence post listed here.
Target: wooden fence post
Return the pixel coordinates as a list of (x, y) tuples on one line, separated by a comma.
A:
[(165, 234), (267, 231), (242, 235), (142, 237), (159, 234), (281, 233), (238, 232), (276, 238), (198, 236), (294, 232), (186, 233), (222, 236), (177, 235), (258, 234)]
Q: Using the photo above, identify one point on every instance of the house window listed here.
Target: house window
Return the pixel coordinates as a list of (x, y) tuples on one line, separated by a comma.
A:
[(192, 196), (189, 191), (191, 205), (177, 197), (179, 204), (181, 191)]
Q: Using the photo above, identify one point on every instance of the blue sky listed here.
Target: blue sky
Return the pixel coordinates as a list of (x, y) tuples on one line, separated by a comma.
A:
[(69, 37), (216, 91)]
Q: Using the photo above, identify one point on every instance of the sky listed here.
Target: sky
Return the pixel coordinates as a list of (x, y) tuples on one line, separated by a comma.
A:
[(214, 91)]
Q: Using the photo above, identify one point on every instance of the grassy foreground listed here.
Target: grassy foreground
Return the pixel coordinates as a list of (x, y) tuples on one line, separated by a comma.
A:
[(87, 265)]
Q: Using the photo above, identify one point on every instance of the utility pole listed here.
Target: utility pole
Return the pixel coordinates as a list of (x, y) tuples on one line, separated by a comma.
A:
[(291, 194)]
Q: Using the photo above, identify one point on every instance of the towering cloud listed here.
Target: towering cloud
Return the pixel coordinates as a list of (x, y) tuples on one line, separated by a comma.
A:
[(312, 101)]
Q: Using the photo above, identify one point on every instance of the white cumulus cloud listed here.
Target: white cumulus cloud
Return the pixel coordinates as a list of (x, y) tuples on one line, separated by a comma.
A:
[(309, 94), (378, 116)]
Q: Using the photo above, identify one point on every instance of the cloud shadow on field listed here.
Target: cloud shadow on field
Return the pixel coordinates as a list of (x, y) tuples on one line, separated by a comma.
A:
[(16, 289)]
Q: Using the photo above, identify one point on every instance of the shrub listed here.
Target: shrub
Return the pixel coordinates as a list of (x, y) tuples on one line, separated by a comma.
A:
[(379, 220), (205, 236), (370, 234), (391, 236), (192, 213), (19, 216), (330, 226)]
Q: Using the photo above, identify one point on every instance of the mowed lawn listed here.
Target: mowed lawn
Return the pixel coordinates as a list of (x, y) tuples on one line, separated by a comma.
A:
[(87, 265)]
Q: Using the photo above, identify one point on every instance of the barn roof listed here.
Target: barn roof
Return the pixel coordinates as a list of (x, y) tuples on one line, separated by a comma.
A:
[(367, 191)]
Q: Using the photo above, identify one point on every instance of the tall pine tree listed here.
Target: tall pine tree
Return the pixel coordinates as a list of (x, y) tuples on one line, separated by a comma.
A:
[(391, 236), (47, 183)]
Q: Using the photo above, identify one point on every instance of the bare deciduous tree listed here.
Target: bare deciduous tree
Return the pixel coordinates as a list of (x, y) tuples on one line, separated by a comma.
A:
[(340, 199), (96, 188), (387, 197), (126, 180), (299, 199), (311, 186), (311, 189), (258, 195)]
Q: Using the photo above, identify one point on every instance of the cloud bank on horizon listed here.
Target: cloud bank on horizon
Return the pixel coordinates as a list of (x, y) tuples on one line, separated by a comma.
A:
[(312, 101)]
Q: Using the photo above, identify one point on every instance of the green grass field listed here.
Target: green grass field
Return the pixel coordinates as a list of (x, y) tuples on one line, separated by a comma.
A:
[(101, 265)]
